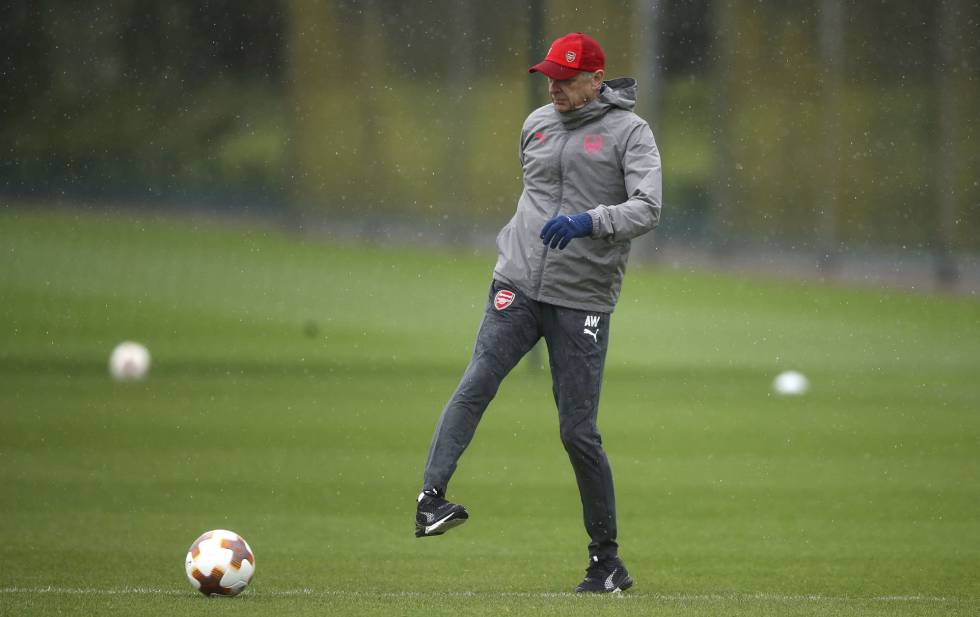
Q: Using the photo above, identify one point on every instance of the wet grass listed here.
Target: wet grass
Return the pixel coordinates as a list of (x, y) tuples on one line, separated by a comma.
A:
[(296, 383)]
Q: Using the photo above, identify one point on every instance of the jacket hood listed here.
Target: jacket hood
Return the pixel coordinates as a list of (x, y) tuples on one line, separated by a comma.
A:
[(620, 92), (617, 93)]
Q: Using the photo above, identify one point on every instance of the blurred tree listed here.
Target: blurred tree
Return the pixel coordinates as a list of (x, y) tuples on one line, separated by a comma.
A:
[(23, 52), (831, 52), (820, 126), (945, 155), (723, 206)]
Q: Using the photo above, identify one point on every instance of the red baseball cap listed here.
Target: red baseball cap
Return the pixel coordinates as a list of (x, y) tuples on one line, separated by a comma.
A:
[(569, 55)]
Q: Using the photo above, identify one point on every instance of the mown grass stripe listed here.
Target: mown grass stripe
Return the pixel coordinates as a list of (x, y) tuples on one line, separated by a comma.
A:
[(708, 597)]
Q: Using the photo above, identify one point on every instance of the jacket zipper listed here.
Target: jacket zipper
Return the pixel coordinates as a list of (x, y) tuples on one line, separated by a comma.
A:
[(561, 196)]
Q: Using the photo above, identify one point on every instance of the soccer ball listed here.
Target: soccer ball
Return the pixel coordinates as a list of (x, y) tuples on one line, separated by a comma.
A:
[(791, 383), (220, 563), (129, 361)]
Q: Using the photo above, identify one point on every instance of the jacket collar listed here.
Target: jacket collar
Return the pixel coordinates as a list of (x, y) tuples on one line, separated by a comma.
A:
[(594, 109), (616, 93)]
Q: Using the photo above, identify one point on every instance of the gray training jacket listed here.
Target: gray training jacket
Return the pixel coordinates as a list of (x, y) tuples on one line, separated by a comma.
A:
[(603, 159)]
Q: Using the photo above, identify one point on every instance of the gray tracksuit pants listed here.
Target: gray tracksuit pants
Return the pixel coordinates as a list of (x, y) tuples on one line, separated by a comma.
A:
[(577, 342)]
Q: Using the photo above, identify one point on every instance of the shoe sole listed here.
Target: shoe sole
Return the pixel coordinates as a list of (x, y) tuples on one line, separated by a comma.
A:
[(453, 519)]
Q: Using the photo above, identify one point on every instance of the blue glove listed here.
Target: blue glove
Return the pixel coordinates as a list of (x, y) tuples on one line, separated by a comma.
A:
[(559, 231)]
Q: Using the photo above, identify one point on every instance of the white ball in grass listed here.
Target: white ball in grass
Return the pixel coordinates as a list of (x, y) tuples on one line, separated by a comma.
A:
[(129, 361), (791, 383), (220, 563)]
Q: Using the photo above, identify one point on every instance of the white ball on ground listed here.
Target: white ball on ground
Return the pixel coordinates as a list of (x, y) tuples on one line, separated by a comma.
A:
[(220, 563), (791, 383), (129, 361)]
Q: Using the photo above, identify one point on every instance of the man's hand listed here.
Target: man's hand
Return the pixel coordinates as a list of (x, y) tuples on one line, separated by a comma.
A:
[(559, 231)]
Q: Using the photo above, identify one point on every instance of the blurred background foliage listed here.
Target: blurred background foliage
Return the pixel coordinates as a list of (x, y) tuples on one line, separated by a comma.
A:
[(822, 123)]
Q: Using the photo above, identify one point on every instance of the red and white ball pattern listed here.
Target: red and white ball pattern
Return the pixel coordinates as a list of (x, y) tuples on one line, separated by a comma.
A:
[(220, 563)]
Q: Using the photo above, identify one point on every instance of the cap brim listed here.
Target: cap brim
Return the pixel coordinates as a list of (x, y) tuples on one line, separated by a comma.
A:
[(553, 70)]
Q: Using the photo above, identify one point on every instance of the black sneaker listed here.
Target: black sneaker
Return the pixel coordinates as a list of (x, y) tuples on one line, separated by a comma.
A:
[(605, 576), (435, 516)]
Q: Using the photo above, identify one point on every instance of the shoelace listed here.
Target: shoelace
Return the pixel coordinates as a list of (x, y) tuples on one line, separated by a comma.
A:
[(596, 570), (434, 501)]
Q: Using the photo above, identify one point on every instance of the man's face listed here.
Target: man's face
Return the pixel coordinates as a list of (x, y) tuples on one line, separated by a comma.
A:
[(574, 93)]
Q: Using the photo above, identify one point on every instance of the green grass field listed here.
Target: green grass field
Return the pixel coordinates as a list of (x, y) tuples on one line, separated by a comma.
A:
[(296, 383)]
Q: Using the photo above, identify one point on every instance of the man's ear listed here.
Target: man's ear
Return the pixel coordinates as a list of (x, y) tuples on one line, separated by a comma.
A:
[(597, 78)]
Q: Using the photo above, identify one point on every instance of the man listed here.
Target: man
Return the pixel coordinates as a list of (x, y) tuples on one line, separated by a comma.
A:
[(592, 182)]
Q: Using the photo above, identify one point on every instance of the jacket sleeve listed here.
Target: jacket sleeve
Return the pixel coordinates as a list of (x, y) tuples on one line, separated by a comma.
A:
[(642, 176), (525, 134)]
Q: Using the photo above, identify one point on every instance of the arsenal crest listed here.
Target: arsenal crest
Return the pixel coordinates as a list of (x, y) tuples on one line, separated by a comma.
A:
[(592, 144), (503, 299)]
